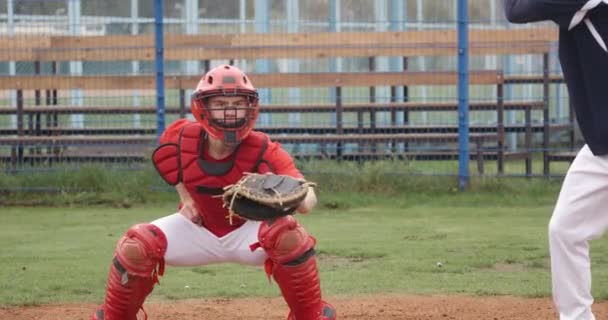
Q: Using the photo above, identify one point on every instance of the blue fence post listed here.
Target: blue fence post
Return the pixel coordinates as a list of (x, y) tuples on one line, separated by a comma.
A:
[(463, 95), (159, 67)]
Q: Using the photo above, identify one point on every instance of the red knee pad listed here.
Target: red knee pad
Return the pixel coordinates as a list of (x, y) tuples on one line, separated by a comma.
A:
[(142, 249), (284, 239)]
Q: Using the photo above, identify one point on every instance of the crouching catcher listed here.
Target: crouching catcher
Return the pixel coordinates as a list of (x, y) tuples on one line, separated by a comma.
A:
[(203, 159)]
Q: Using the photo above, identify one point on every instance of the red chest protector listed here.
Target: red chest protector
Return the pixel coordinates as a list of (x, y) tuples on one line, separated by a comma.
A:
[(184, 162)]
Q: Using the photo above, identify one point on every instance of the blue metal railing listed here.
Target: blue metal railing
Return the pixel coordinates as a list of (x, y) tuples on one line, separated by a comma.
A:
[(160, 68), (463, 95)]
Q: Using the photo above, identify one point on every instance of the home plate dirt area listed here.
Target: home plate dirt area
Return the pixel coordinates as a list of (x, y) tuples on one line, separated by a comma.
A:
[(371, 307)]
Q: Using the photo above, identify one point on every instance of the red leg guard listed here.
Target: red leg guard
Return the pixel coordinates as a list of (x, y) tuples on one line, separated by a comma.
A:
[(138, 261), (293, 265)]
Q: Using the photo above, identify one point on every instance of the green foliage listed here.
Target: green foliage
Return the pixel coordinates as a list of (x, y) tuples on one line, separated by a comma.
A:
[(85, 185), (102, 185)]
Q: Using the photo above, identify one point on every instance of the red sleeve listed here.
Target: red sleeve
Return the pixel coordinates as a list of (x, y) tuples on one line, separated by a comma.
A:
[(280, 161), (171, 133)]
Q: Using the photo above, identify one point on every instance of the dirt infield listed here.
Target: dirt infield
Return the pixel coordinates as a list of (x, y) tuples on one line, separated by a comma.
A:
[(375, 307)]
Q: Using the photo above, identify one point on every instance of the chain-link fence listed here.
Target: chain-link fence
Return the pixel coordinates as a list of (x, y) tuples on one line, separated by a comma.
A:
[(339, 81)]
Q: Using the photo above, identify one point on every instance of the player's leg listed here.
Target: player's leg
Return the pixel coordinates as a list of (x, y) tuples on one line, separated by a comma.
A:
[(293, 265), (173, 240), (137, 263), (580, 215)]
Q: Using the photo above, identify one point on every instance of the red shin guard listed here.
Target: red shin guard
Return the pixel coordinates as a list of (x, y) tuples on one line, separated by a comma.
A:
[(134, 271), (301, 288), (123, 301), (293, 265)]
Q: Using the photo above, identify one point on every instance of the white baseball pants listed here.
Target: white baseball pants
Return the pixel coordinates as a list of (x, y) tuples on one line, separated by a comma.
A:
[(189, 244), (580, 215)]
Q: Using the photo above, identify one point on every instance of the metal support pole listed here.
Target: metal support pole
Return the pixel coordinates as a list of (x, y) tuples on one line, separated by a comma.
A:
[(135, 64), (159, 67), (243, 27), (335, 64), (293, 65), (422, 59), (190, 15), (74, 15), (382, 63), (490, 61), (463, 95), (262, 25), (398, 17), (12, 68)]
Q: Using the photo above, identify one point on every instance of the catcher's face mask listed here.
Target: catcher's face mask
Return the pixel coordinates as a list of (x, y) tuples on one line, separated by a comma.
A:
[(229, 113), (226, 104)]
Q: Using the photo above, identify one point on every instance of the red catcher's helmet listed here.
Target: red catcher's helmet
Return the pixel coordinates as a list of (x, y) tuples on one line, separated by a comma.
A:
[(226, 81)]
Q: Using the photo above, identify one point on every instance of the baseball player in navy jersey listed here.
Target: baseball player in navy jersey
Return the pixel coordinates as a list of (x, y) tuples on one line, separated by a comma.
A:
[(581, 211), (200, 158)]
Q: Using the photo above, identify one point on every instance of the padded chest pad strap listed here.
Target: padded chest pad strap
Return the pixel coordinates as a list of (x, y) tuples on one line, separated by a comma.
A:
[(167, 163)]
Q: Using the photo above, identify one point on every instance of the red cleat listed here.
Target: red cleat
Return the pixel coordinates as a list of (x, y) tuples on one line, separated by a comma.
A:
[(328, 313), (98, 314)]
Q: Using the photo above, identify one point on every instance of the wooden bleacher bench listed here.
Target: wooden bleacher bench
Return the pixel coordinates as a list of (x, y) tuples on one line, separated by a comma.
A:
[(63, 131), (100, 136), (138, 148), (563, 156), (71, 140), (482, 77), (321, 107), (278, 46)]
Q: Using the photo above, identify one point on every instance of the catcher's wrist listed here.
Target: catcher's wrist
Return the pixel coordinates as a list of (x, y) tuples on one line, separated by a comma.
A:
[(191, 215), (309, 202)]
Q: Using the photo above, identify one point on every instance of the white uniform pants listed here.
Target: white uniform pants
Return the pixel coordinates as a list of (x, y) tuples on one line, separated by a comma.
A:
[(189, 244), (580, 215)]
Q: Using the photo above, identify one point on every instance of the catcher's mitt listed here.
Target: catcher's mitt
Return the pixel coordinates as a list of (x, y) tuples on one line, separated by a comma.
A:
[(264, 196)]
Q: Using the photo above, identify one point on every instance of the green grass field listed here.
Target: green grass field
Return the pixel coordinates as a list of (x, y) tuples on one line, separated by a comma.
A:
[(489, 243)]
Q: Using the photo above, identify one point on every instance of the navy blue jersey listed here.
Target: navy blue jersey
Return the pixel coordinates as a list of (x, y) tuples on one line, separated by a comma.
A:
[(583, 55)]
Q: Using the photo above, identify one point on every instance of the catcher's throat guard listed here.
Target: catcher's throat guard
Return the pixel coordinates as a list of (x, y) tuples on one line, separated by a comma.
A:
[(265, 196)]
